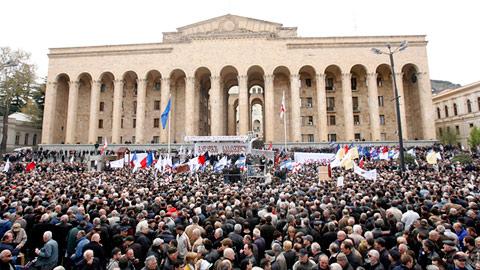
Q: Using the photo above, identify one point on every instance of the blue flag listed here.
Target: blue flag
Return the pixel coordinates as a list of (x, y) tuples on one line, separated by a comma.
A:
[(165, 113), (149, 159)]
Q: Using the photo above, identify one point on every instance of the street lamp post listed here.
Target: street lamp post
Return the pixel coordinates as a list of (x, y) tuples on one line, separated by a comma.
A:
[(3, 143), (390, 53)]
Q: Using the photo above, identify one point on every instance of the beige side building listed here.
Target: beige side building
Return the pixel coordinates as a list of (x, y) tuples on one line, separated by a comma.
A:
[(227, 76), (458, 110), (22, 132)]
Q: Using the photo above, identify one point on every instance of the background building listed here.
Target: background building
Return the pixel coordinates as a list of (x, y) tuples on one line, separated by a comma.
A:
[(457, 110), (21, 131), (227, 76)]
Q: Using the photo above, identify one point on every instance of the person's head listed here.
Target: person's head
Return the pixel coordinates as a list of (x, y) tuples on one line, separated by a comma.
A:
[(47, 236), (172, 253), (5, 255), (427, 246), (116, 253), (151, 262), (248, 249), (342, 259), (88, 255), (95, 238), (336, 266), (229, 254), (303, 255), (448, 245), (346, 247), (287, 245), (459, 259), (379, 244), (341, 235), (80, 234), (407, 260), (7, 238), (457, 227), (316, 249), (374, 256), (323, 261), (130, 254)]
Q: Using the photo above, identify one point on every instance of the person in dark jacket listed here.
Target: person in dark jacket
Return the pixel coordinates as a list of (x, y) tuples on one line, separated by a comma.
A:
[(374, 263), (97, 248), (6, 262), (89, 262)]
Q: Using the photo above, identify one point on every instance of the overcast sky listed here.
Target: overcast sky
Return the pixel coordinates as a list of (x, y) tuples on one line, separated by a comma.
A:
[(452, 27)]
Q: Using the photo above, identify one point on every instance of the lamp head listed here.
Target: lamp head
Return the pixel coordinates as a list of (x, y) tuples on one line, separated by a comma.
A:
[(403, 45)]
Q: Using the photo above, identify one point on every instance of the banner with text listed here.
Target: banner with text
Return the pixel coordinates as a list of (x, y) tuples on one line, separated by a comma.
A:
[(302, 157), (229, 148)]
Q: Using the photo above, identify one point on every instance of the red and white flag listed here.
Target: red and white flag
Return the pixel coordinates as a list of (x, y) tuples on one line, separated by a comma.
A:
[(104, 147), (282, 106)]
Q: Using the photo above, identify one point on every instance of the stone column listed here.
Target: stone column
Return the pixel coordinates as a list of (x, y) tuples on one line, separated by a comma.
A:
[(373, 106), (403, 115), (141, 96), (72, 112), (94, 103), (50, 107), (426, 108), (243, 104), (189, 106), (231, 120), (347, 107), (296, 119), (164, 96), (321, 109), (117, 110), (216, 100), (269, 109)]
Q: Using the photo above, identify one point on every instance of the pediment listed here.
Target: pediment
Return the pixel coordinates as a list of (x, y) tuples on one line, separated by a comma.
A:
[(229, 26)]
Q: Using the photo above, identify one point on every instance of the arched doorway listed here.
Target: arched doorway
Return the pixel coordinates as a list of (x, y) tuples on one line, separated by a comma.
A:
[(153, 108), (281, 86), (202, 102), (412, 104), (83, 108), (61, 108), (177, 90), (129, 107), (358, 82), (386, 105), (229, 86), (105, 110), (335, 118), (308, 104)]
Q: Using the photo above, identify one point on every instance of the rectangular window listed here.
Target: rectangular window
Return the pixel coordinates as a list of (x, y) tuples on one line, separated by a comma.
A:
[(383, 136), (100, 123), (382, 119), (457, 129), (358, 137), (309, 102), (355, 104), (133, 139), (99, 139), (134, 107), (478, 103), (331, 120), (121, 123), (102, 106), (310, 138), (134, 123), (448, 129), (309, 120), (17, 138), (308, 82), (156, 139), (332, 137), (121, 139), (330, 104), (103, 87), (356, 119), (34, 139), (157, 86), (440, 131), (156, 105), (25, 142), (353, 82), (156, 122), (329, 84), (380, 101), (471, 125)]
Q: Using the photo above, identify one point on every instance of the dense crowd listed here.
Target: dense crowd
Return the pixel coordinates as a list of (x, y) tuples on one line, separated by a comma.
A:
[(62, 215)]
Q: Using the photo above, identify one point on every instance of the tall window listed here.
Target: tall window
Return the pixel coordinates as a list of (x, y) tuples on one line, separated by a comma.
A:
[(135, 107), (103, 87), (156, 139), (34, 142), (121, 123), (332, 137), (157, 86), (156, 122), (329, 85), (440, 131), (25, 142), (353, 82), (356, 119), (331, 120), (17, 138), (455, 111), (382, 119), (156, 105), (308, 82), (355, 104), (330, 104), (102, 106), (380, 101), (358, 137), (100, 123), (134, 122), (446, 111), (457, 129), (478, 103), (438, 113), (469, 106)]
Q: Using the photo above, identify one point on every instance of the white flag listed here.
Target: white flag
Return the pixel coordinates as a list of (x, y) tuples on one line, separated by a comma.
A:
[(117, 163), (7, 166), (340, 181), (370, 175), (282, 106)]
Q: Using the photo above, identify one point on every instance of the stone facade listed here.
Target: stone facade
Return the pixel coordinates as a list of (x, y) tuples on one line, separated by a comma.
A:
[(335, 88), (458, 110)]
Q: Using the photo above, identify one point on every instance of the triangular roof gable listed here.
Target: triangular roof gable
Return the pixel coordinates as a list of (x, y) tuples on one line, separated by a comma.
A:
[(223, 18)]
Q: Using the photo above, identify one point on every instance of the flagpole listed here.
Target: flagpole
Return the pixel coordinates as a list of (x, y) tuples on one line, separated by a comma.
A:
[(169, 129), (285, 122)]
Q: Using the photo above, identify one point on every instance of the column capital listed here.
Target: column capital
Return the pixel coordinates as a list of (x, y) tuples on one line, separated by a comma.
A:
[(421, 74), (165, 80), (118, 82), (74, 84), (242, 77), (52, 83), (269, 77), (97, 82), (139, 81), (294, 76), (399, 74), (189, 79), (347, 75)]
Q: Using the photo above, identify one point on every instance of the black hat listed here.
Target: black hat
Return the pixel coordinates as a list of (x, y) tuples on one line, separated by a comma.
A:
[(303, 252), (449, 243)]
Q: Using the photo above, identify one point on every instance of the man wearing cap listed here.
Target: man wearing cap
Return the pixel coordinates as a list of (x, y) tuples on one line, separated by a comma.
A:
[(460, 262), (449, 250), (304, 261), (157, 250), (19, 236)]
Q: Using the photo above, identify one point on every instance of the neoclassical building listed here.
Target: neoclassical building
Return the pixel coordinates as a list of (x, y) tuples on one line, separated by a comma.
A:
[(458, 111), (227, 76)]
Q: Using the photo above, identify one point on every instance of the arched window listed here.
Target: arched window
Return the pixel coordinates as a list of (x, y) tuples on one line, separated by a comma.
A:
[(446, 111), (469, 106), (438, 113), (455, 111)]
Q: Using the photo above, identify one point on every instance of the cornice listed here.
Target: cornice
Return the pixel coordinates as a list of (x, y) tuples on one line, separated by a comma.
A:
[(110, 52)]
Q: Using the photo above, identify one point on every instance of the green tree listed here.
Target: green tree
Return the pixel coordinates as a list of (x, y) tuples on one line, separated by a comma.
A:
[(474, 138), (35, 104), (449, 138), (17, 78)]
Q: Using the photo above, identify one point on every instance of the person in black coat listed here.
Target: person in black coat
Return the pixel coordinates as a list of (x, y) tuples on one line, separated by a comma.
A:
[(6, 262), (98, 250), (89, 262)]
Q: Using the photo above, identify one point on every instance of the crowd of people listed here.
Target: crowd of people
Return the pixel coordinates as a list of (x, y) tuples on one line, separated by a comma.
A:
[(61, 215)]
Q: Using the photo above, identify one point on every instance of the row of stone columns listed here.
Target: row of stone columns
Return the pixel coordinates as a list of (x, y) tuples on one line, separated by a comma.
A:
[(217, 110)]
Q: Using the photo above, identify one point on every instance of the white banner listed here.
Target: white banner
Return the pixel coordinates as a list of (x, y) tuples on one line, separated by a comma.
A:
[(216, 138), (371, 175), (302, 157), (222, 148), (117, 163)]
